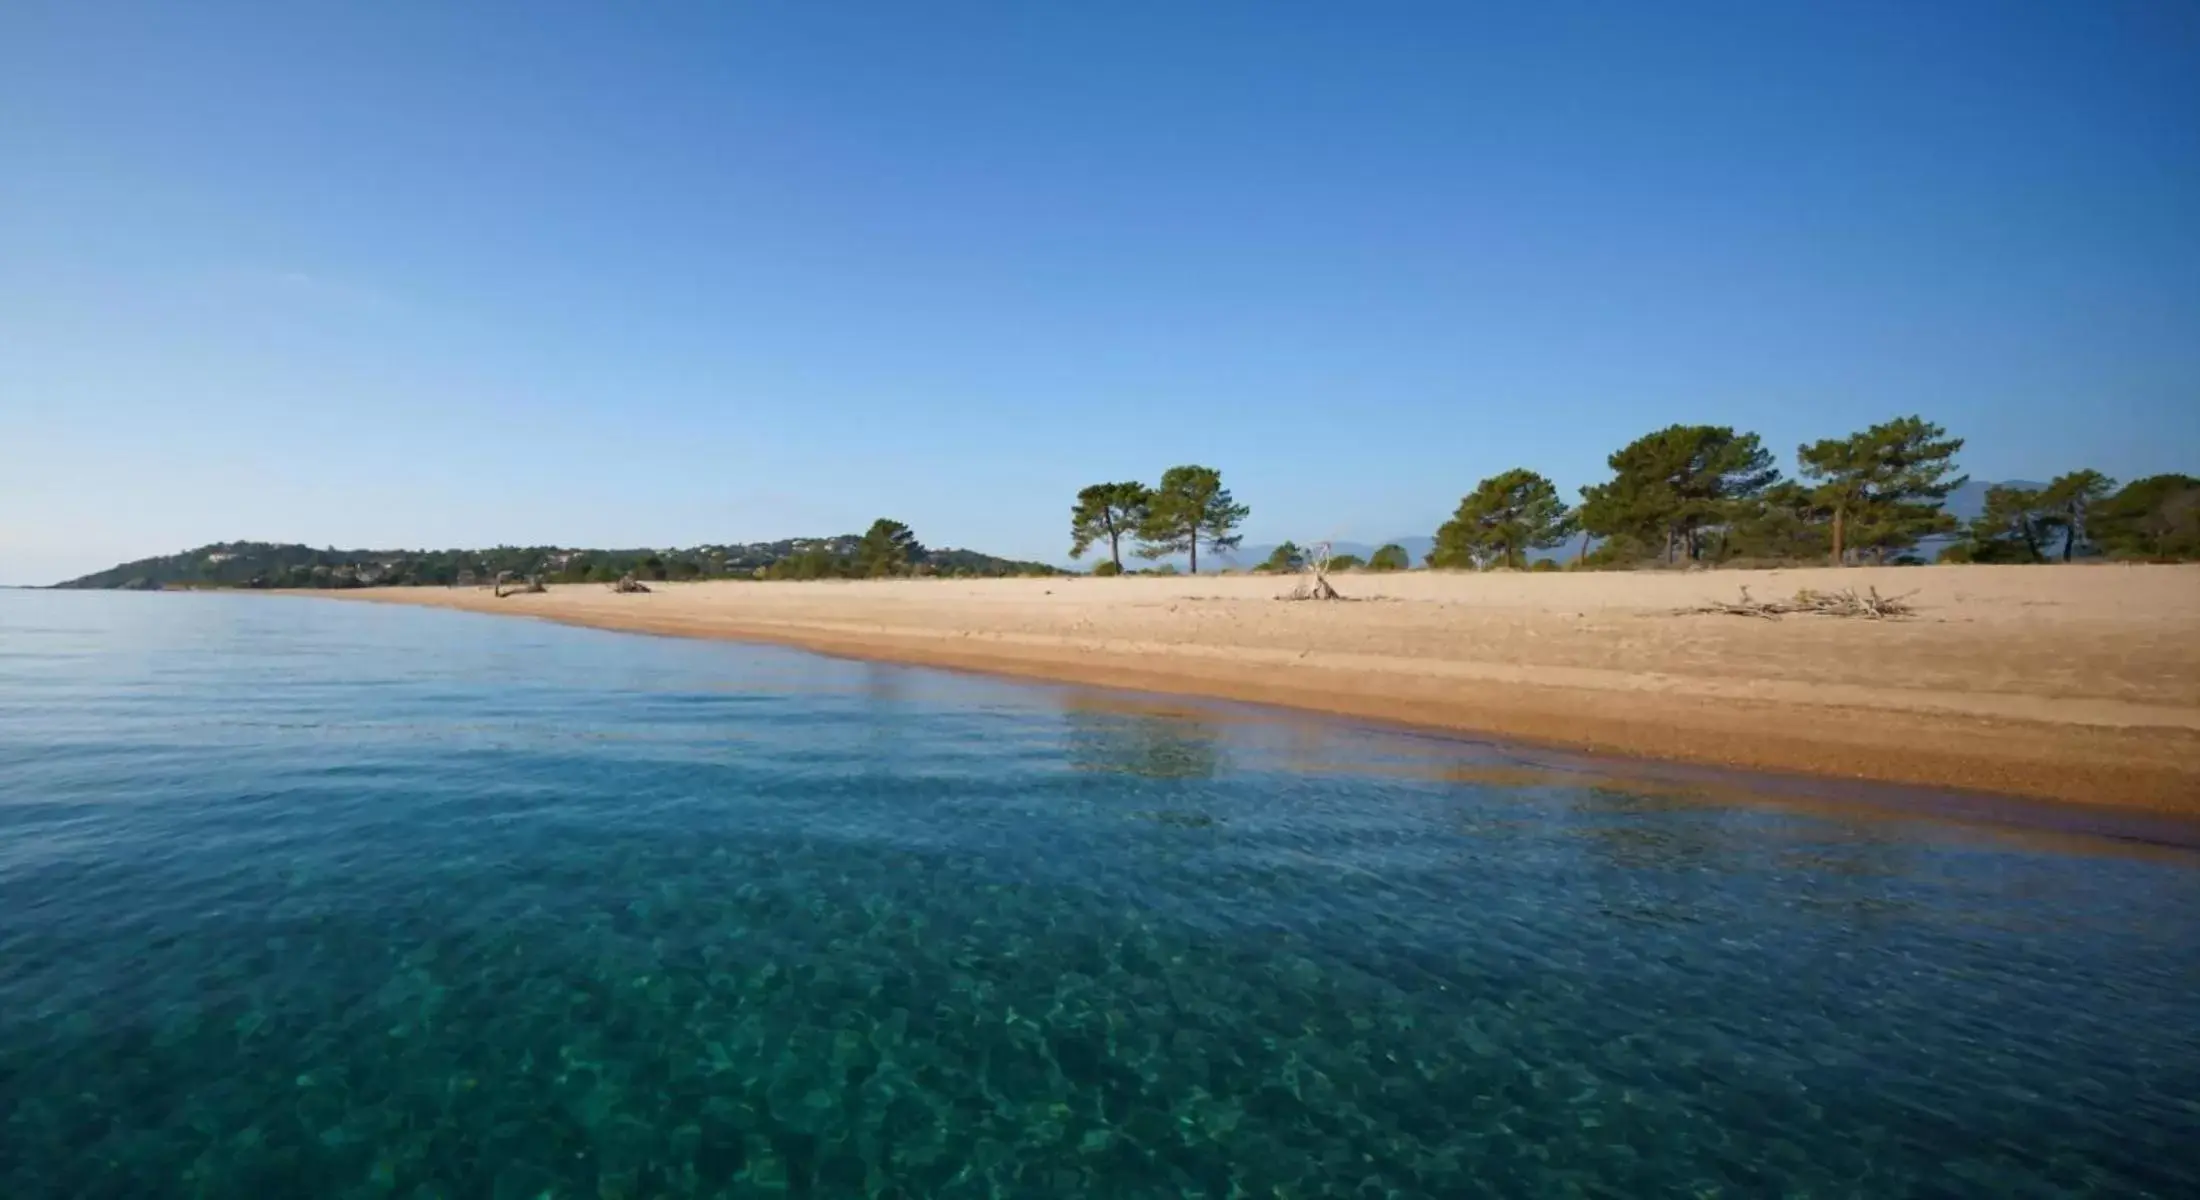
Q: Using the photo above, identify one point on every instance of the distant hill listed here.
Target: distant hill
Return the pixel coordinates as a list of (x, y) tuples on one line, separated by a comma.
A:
[(289, 565)]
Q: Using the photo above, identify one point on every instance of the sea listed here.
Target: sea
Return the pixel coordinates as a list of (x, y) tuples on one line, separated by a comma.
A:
[(319, 899)]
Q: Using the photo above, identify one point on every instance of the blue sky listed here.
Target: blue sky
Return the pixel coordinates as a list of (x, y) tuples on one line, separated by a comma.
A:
[(436, 274)]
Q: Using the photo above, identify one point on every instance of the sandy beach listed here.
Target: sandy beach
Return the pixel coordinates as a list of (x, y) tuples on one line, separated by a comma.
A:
[(2069, 683)]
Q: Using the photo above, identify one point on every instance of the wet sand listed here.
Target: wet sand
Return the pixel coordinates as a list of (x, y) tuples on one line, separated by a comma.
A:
[(2074, 683)]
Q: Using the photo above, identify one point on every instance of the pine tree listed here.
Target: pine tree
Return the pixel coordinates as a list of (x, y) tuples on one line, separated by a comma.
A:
[(1884, 486), (1784, 523), (2153, 518), (2073, 497), (888, 548), (1286, 559), (1190, 507), (1506, 516), (1107, 512), (2014, 526), (1670, 486)]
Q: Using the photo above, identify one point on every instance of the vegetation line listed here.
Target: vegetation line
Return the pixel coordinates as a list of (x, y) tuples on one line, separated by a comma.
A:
[(1694, 495)]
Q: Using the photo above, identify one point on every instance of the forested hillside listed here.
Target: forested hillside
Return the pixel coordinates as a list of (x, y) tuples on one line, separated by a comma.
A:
[(272, 565)]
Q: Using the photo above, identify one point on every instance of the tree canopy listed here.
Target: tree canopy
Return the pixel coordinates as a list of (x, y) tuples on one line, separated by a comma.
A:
[(1671, 485), (1107, 512), (1501, 520), (1783, 523), (2073, 498), (888, 548), (1884, 487), (1188, 509), (2157, 517), (814, 562), (2015, 526), (1287, 557), (1389, 557)]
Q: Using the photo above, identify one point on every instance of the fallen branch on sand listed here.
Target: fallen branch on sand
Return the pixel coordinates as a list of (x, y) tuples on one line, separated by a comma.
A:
[(1845, 603), (508, 585), (1319, 589), (627, 585), (1317, 564)]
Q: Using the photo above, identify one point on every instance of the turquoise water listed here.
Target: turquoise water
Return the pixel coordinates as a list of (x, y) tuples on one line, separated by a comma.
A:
[(301, 898)]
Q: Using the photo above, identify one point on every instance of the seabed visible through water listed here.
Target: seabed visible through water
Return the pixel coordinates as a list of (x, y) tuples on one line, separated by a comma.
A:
[(333, 900)]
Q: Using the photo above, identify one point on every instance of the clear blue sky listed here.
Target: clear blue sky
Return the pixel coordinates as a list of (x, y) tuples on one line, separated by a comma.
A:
[(449, 274)]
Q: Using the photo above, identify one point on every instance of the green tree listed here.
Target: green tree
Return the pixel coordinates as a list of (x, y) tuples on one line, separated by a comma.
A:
[(1107, 512), (1620, 551), (2014, 526), (2153, 518), (811, 562), (1345, 562), (1390, 557), (1189, 508), (1785, 522), (2073, 497), (1672, 485), (888, 548), (1107, 569), (1501, 520), (1287, 557), (1884, 486)]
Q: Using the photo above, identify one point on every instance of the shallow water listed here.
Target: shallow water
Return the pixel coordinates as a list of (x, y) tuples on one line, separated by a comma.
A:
[(316, 899)]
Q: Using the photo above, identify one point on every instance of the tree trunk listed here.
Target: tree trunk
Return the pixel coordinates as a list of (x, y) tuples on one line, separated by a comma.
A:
[(1839, 559), (1115, 550), (1582, 555), (1195, 551), (2070, 534)]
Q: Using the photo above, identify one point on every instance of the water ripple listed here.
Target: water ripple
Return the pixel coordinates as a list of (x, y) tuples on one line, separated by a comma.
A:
[(303, 899)]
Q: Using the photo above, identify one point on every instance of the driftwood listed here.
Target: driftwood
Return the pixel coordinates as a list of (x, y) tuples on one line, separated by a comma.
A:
[(628, 585), (1845, 603), (504, 580), (1319, 589), (1317, 565)]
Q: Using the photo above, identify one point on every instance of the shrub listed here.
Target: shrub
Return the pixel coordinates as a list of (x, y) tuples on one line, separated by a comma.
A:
[(1390, 558)]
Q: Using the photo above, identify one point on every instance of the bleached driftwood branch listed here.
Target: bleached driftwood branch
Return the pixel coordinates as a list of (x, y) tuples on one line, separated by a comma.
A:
[(1845, 603)]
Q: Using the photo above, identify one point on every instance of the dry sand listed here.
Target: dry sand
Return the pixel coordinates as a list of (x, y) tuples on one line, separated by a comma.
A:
[(2071, 683)]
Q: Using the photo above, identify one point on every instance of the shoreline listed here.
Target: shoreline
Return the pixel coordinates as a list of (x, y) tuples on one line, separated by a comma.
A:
[(2108, 714)]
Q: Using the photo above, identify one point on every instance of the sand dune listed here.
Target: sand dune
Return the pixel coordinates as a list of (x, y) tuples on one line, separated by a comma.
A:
[(2073, 683)]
